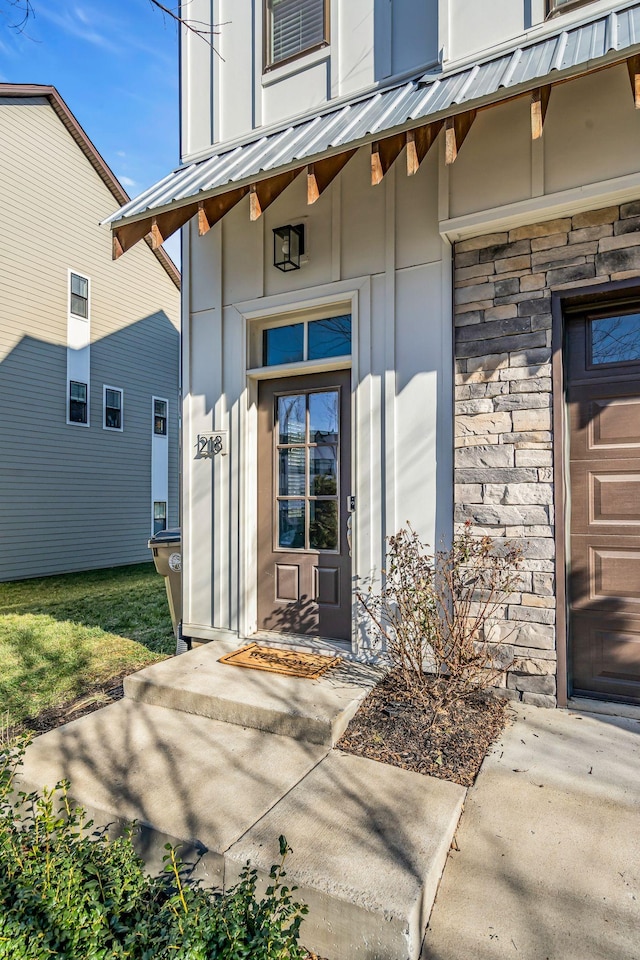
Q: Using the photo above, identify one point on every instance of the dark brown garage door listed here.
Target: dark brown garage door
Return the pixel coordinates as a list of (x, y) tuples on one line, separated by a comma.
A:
[(604, 584)]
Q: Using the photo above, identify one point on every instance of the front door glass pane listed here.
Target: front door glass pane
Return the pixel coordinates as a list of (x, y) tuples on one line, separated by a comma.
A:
[(615, 339), (324, 416), (291, 523), (323, 525), (283, 344), (292, 472), (330, 338), (291, 419), (323, 470), (307, 458)]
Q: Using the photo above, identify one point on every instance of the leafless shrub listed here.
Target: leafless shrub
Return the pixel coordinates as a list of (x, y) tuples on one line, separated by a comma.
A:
[(432, 609)]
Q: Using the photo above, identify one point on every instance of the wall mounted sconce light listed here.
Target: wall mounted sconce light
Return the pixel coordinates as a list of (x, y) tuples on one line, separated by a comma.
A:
[(288, 247)]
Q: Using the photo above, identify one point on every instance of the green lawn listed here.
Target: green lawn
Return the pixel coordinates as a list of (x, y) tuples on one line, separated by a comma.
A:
[(62, 636)]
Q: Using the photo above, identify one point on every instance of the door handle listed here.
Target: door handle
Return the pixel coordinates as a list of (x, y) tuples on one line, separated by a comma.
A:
[(349, 531)]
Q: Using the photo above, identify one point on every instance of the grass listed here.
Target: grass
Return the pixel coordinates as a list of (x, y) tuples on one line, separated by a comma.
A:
[(60, 637)]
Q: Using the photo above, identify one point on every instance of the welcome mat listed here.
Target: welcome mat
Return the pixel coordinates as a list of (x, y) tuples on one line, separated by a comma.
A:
[(291, 663)]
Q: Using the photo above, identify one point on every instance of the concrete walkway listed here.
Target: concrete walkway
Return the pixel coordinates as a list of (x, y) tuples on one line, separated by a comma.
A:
[(548, 866), (224, 760)]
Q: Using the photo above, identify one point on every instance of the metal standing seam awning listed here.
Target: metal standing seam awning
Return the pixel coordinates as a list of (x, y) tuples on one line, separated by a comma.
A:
[(410, 115)]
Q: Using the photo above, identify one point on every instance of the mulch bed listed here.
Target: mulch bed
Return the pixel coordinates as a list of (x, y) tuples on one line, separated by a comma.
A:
[(393, 727), (94, 698)]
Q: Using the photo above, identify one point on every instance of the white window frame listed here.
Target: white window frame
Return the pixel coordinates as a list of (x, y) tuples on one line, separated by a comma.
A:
[(77, 423), (77, 273), (153, 417), (78, 348), (105, 387), (256, 351), (268, 63)]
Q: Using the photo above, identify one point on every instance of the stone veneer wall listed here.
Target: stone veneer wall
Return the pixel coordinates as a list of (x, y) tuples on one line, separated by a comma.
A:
[(503, 422)]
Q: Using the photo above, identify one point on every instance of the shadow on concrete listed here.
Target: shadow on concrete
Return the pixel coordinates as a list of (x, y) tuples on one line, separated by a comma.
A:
[(549, 854)]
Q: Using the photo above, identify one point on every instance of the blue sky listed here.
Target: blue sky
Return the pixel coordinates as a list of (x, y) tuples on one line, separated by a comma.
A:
[(115, 63)]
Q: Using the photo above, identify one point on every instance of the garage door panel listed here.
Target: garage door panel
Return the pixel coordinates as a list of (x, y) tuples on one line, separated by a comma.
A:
[(605, 497), (606, 656), (606, 577), (614, 423), (605, 427)]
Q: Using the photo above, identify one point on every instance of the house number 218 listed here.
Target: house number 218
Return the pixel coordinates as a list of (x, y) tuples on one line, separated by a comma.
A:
[(210, 444)]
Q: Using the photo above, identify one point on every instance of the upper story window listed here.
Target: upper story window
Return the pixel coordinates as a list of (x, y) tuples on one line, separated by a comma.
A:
[(559, 6), (79, 296), (160, 417), (293, 28)]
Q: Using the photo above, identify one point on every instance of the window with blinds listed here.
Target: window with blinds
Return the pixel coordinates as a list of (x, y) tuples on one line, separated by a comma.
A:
[(294, 27)]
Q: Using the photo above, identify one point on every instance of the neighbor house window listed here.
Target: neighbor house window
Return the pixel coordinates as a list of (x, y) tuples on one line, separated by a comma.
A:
[(558, 6), (159, 516), (77, 402), (294, 27), (112, 408), (79, 296), (160, 417)]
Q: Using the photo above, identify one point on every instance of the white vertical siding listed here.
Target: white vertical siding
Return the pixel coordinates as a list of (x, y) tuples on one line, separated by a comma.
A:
[(365, 242)]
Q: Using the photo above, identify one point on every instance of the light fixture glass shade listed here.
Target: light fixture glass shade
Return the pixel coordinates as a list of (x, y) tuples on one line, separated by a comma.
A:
[(288, 247)]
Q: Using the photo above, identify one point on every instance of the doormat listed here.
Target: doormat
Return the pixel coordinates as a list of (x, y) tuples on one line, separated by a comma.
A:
[(291, 663)]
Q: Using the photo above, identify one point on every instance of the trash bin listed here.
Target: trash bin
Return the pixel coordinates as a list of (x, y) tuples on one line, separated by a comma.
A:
[(166, 547)]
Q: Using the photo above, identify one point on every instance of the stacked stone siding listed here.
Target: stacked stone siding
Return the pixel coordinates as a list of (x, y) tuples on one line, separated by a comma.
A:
[(504, 440)]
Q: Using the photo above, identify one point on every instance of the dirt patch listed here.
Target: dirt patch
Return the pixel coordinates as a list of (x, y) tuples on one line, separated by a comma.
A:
[(93, 699), (392, 727)]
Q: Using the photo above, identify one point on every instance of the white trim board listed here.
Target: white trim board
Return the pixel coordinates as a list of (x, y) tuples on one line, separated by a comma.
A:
[(356, 296), (591, 196)]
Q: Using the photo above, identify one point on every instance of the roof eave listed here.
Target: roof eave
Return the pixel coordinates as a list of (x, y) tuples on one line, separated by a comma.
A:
[(502, 95)]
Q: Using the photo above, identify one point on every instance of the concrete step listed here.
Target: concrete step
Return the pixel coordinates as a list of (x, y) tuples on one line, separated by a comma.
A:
[(316, 711), (186, 779), (369, 841), (369, 846)]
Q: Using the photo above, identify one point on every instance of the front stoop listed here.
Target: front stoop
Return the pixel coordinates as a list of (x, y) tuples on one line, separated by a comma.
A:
[(369, 841), (314, 710)]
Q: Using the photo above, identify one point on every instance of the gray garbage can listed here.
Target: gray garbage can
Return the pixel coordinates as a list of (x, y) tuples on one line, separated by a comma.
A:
[(166, 547)]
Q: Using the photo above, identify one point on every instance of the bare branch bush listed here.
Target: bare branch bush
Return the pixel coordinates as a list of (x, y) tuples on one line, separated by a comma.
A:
[(18, 13), (433, 612), (200, 28)]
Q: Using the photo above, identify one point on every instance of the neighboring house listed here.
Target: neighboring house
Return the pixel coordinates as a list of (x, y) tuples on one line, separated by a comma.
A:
[(89, 362), (466, 179)]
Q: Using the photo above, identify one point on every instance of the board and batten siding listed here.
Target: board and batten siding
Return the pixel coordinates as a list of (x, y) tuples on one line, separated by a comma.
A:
[(365, 247), (73, 498)]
